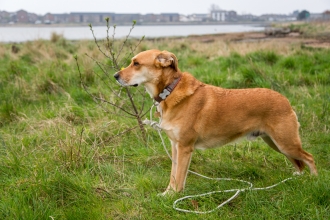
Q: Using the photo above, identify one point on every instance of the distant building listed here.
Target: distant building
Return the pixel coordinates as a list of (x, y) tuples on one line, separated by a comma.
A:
[(125, 18), (231, 16), (200, 17), (248, 17), (223, 15), (4, 17), (97, 18), (61, 18), (326, 15), (33, 17), (169, 17), (89, 17), (150, 18), (22, 16), (49, 18), (277, 17), (218, 15), (316, 16), (195, 18)]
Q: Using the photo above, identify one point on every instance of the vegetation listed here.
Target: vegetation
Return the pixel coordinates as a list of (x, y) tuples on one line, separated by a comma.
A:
[(61, 156), (317, 30)]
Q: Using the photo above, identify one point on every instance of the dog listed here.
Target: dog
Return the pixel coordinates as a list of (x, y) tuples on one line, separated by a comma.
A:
[(195, 115)]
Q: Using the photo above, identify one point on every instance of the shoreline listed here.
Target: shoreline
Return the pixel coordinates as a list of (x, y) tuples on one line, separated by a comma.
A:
[(261, 24)]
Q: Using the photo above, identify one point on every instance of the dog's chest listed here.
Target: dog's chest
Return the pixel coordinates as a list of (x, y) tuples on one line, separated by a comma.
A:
[(172, 131)]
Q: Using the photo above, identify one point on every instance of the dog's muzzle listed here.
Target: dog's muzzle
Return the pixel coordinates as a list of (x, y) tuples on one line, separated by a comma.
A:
[(117, 77)]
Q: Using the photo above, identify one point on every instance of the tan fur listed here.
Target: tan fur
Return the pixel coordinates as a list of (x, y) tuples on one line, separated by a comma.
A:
[(197, 115)]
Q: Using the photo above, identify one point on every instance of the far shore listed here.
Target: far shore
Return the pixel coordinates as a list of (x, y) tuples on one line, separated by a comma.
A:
[(263, 24)]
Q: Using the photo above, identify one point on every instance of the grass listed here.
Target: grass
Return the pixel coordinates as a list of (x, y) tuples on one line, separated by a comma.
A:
[(58, 161), (315, 29)]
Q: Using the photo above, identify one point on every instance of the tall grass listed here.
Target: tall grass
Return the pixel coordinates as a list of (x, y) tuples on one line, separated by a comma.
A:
[(61, 156)]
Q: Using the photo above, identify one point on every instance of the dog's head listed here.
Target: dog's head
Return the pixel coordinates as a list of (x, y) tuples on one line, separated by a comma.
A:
[(148, 67)]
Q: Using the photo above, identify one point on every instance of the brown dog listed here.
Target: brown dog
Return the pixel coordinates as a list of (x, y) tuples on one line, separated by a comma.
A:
[(197, 115)]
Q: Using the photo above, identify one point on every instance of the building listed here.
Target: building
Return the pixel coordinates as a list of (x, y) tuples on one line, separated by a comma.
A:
[(169, 17), (22, 16), (88, 17), (4, 17), (277, 17), (33, 18), (218, 15), (98, 18), (200, 17), (150, 18), (248, 17), (125, 18), (326, 15), (231, 16), (223, 15), (316, 16), (61, 18)]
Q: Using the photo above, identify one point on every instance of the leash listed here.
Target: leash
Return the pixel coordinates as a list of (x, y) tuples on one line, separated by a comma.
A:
[(250, 187)]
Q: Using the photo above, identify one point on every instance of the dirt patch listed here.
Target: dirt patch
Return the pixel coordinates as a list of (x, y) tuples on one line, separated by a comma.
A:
[(294, 37)]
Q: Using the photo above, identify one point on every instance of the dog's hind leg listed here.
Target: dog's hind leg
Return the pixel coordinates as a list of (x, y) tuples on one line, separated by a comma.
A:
[(299, 165), (286, 140), (270, 142)]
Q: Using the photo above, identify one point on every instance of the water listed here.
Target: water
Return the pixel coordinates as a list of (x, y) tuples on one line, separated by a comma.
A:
[(21, 34)]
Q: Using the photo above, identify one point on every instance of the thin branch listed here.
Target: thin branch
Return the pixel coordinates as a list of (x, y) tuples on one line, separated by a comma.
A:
[(126, 38), (128, 55), (97, 44), (103, 100), (105, 73), (118, 103)]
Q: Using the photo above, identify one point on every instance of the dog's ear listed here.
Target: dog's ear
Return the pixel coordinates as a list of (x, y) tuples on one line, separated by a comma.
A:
[(165, 59)]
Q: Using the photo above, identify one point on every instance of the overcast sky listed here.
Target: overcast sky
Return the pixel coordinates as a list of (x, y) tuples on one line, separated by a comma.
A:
[(256, 7)]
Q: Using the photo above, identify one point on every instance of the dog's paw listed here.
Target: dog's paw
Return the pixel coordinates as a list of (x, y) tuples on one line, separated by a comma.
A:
[(297, 173), (168, 192)]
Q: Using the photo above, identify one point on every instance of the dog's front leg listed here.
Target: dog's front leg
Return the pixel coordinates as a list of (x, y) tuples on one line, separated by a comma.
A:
[(181, 157), (173, 169), (184, 154)]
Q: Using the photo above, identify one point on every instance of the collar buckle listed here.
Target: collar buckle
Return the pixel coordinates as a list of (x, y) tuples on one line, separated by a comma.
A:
[(167, 91)]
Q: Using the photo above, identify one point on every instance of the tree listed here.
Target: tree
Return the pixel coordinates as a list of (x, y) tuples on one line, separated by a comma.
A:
[(303, 15), (214, 7), (118, 100)]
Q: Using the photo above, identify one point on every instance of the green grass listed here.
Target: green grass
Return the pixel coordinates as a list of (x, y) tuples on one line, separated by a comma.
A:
[(56, 159)]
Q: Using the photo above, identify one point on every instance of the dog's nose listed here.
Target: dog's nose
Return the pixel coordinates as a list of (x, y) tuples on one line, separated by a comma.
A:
[(116, 75)]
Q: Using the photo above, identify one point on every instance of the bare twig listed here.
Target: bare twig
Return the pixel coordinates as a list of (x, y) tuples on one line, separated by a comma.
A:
[(96, 43)]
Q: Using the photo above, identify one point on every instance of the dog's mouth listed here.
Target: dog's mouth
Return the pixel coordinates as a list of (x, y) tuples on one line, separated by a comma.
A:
[(120, 82)]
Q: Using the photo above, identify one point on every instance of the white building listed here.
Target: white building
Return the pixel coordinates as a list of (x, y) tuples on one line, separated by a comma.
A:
[(218, 15)]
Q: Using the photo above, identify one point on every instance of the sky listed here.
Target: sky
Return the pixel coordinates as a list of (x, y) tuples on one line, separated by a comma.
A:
[(256, 7)]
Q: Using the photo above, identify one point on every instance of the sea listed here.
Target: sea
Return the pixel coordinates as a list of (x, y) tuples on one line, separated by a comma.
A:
[(22, 34)]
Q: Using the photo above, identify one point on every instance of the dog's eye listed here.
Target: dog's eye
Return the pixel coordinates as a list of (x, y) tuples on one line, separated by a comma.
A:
[(136, 63)]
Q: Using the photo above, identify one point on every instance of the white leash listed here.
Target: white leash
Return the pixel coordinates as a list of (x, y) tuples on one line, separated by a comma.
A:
[(156, 126)]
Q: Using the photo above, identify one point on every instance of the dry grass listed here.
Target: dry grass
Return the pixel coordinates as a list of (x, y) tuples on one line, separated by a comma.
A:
[(223, 45)]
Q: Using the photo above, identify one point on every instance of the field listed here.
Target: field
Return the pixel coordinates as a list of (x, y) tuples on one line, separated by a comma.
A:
[(63, 156)]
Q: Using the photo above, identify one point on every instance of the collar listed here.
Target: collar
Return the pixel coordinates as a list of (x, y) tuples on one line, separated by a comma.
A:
[(167, 91)]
